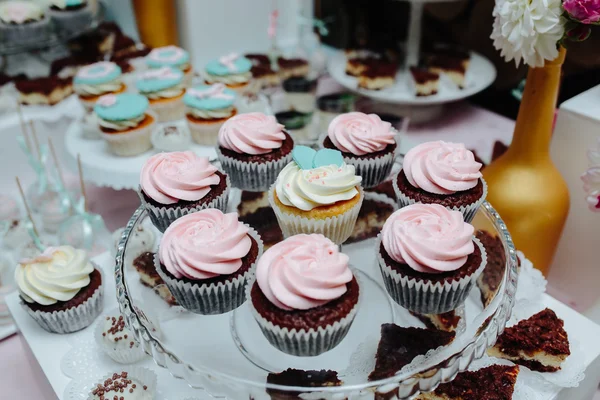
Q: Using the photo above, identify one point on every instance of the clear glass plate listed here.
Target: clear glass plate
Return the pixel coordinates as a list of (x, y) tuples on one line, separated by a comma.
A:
[(227, 355)]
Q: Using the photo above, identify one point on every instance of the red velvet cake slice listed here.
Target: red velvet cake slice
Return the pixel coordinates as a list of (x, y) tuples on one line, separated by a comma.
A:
[(493, 273), (496, 382), (539, 343), (379, 75), (444, 322), (301, 378), (426, 82), (45, 91)]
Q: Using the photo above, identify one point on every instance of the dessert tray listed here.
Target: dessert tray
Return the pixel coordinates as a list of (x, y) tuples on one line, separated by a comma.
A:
[(227, 356), (480, 74)]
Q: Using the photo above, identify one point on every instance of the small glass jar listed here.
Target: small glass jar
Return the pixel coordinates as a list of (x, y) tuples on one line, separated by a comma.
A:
[(300, 94), (332, 105), (299, 126)]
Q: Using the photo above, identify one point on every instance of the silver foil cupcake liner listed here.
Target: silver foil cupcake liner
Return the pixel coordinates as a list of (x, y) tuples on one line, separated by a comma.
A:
[(25, 33), (143, 376), (337, 229), (73, 319), (252, 176), (211, 299), (162, 217), (304, 343), (72, 21), (467, 211), (426, 297)]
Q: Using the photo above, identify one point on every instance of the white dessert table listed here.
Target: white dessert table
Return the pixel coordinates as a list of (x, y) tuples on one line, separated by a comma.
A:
[(48, 349)]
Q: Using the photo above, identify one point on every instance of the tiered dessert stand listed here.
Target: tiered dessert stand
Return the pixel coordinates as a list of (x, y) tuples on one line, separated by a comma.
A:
[(226, 355)]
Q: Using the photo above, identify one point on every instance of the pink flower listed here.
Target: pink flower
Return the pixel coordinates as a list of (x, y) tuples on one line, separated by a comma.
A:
[(584, 11)]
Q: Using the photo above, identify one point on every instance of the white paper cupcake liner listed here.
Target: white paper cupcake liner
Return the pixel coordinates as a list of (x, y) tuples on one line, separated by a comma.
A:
[(143, 376), (468, 211), (131, 143), (162, 217), (73, 319), (205, 133), (25, 33), (167, 111), (252, 176), (211, 299), (426, 297), (304, 343), (372, 170), (122, 355), (338, 229), (70, 21)]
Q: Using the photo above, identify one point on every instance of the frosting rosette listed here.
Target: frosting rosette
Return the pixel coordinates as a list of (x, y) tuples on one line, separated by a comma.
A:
[(429, 238), (441, 167), (170, 177), (58, 274), (360, 133), (303, 272), (251, 133), (308, 189), (204, 244)]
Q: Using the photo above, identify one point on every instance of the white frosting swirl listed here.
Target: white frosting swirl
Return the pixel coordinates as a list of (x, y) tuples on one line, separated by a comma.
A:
[(56, 275), (308, 189), (211, 114), (165, 93), (96, 90), (121, 125), (232, 79)]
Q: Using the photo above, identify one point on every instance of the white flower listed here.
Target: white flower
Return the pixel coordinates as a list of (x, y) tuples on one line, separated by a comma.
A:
[(528, 30)]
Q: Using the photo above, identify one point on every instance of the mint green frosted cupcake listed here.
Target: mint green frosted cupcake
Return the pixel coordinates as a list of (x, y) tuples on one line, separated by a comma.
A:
[(232, 70), (163, 87), (172, 56), (206, 109)]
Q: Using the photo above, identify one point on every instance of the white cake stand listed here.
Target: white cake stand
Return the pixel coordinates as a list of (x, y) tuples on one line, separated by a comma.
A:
[(103, 168)]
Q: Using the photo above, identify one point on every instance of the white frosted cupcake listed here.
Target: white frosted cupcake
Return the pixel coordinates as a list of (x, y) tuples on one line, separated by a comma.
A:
[(317, 193), (206, 259), (232, 70), (164, 89), (179, 183), (207, 109), (429, 258), (305, 297), (126, 123), (60, 289), (98, 79), (172, 56), (366, 142)]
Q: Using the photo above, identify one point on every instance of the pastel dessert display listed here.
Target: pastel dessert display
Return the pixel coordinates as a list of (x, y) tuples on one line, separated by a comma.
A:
[(441, 173), (206, 259), (95, 80), (49, 90), (164, 89), (60, 289), (71, 16), (232, 70), (305, 296), (179, 183), (539, 343), (126, 123), (253, 148), (317, 193), (206, 110), (23, 21), (116, 340), (496, 382), (429, 258), (172, 56), (366, 142), (131, 383)]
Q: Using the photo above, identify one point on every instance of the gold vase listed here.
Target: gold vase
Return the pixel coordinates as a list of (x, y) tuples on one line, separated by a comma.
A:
[(156, 21), (524, 185)]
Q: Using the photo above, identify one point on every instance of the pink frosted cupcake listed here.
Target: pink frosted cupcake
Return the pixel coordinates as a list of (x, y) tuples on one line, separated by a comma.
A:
[(206, 259), (429, 258), (253, 148), (366, 142), (441, 173), (179, 183), (305, 297)]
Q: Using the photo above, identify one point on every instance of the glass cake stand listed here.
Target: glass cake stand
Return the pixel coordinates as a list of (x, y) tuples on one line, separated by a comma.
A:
[(227, 355)]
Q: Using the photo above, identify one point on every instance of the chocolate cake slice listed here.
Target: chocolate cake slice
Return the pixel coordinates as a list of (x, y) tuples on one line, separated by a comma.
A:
[(371, 217), (379, 75), (298, 377), (444, 322), (496, 382), (292, 67), (426, 82), (539, 343), (44, 91), (490, 279), (254, 210), (144, 265), (399, 346), (452, 67)]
